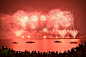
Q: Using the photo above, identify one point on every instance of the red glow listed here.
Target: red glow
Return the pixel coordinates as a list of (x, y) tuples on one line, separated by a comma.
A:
[(56, 21), (44, 36), (62, 32), (19, 32), (22, 36), (42, 17), (28, 36), (73, 33)]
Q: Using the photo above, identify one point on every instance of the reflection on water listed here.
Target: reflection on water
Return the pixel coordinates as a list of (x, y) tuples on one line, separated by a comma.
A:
[(42, 45)]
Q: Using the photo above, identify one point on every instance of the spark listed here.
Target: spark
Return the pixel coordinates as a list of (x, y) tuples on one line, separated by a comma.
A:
[(62, 32), (45, 29), (42, 17), (19, 32), (34, 18), (74, 33), (54, 21)]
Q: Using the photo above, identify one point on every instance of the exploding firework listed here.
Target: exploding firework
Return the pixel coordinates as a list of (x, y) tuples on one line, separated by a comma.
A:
[(62, 33), (74, 33), (43, 18), (20, 18), (64, 19), (19, 32), (56, 21)]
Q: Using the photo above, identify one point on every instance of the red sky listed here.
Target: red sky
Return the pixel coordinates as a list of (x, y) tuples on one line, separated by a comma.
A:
[(78, 7)]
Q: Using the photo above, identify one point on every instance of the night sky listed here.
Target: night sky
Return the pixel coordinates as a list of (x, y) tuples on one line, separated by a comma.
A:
[(78, 6)]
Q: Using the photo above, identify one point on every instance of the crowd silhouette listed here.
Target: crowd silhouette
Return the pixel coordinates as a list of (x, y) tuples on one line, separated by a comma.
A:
[(78, 51)]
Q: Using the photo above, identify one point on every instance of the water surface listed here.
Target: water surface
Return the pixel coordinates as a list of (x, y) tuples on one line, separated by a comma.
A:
[(42, 45)]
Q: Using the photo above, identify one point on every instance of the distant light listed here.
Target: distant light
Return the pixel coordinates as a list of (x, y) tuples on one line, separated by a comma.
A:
[(22, 36), (44, 36), (28, 36), (4, 47), (45, 29), (56, 36)]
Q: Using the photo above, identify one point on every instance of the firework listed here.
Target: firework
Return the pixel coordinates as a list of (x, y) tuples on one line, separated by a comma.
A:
[(74, 33), (59, 18), (62, 33), (43, 18), (54, 22), (22, 36), (28, 36), (18, 32), (44, 36), (20, 18)]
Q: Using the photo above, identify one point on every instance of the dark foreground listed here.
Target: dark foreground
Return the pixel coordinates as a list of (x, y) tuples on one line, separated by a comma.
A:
[(79, 51)]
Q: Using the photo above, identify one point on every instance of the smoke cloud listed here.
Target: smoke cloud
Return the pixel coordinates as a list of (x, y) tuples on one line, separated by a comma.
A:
[(7, 26)]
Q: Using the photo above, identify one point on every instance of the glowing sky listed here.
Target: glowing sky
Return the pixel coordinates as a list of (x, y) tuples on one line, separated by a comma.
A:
[(10, 7)]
